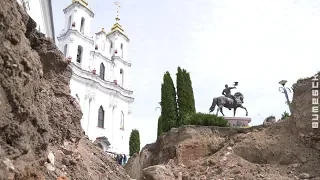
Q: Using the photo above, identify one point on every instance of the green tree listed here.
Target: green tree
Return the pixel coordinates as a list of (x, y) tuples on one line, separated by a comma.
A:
[(134, 142), (159, 132), (181, 94), (186, 102), (190, 94), (168, 103)]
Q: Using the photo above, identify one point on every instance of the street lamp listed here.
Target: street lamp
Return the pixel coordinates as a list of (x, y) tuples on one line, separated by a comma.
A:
[(158, 107), (284, 89)]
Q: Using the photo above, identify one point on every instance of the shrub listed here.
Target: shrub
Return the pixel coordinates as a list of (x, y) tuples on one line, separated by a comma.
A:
[(204, 120), (285, 115), (270, 118)]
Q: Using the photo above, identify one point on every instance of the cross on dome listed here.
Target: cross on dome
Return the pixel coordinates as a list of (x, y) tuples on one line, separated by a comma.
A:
[(117, 25), (117, 3)]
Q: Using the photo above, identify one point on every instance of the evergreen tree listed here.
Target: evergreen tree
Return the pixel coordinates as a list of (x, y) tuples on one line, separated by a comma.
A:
[(159, 132), (186, 103), (134, 142), (190, 94), (182, 98), (168, 103)]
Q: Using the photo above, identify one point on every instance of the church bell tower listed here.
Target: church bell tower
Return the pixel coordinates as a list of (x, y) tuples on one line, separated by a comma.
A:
[(119, 50), (75, 40)]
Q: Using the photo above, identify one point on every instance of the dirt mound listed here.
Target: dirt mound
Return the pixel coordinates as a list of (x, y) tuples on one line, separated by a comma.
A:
[(302, 111), (40, 132), (288, 149)]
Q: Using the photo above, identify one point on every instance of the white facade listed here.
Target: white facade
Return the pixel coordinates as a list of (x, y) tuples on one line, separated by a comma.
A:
[(100, 79), (41, 12)]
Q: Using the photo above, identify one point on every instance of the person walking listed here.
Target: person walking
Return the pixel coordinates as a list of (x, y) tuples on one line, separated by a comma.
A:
[(118, 158), (124, 159), (121, 159)]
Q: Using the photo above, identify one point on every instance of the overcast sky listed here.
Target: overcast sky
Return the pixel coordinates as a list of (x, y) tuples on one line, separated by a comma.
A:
[(255, 42)]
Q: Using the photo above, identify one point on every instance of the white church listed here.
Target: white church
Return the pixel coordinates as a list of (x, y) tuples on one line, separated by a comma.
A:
[(41, 12), (100, 80)]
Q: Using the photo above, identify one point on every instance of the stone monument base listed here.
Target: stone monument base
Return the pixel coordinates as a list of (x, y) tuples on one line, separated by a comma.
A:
[(238, 121)]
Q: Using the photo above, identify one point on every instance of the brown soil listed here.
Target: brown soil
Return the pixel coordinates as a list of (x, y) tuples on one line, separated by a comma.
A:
[(38, 118), (288, 149)]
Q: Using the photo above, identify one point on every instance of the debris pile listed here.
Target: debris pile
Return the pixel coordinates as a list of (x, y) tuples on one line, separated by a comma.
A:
[(40, 132)]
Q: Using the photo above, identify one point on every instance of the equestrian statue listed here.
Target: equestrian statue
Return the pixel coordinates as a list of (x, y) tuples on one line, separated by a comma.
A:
[(228, 101)]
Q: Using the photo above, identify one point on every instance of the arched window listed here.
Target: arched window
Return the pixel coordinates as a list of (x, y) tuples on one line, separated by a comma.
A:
[(121, 47), (26, 5), (65, 50), (79, 54), (69, 22), (100, 146), (78, 98), (111, 46), (82, 25), (121, 77), (122, 121), (102, 70), (101, 117)]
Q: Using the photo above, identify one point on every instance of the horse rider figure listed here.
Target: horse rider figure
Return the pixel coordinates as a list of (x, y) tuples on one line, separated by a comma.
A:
[(227, 93)]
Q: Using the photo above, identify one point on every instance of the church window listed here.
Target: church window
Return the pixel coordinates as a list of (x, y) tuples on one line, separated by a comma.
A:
[(121, 47), (79, 54), (65, 50), (122, 121), (69, 22), (78, 97), (121, 76), (111, 46), (102, 70), (26, 5), (100, 146), (82, 25), (101, 117)]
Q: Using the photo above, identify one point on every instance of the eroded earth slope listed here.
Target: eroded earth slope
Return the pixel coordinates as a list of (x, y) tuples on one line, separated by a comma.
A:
[(40, 133)]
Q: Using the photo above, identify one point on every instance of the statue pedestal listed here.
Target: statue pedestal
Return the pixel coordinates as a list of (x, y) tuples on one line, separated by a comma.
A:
[(236, 121)]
